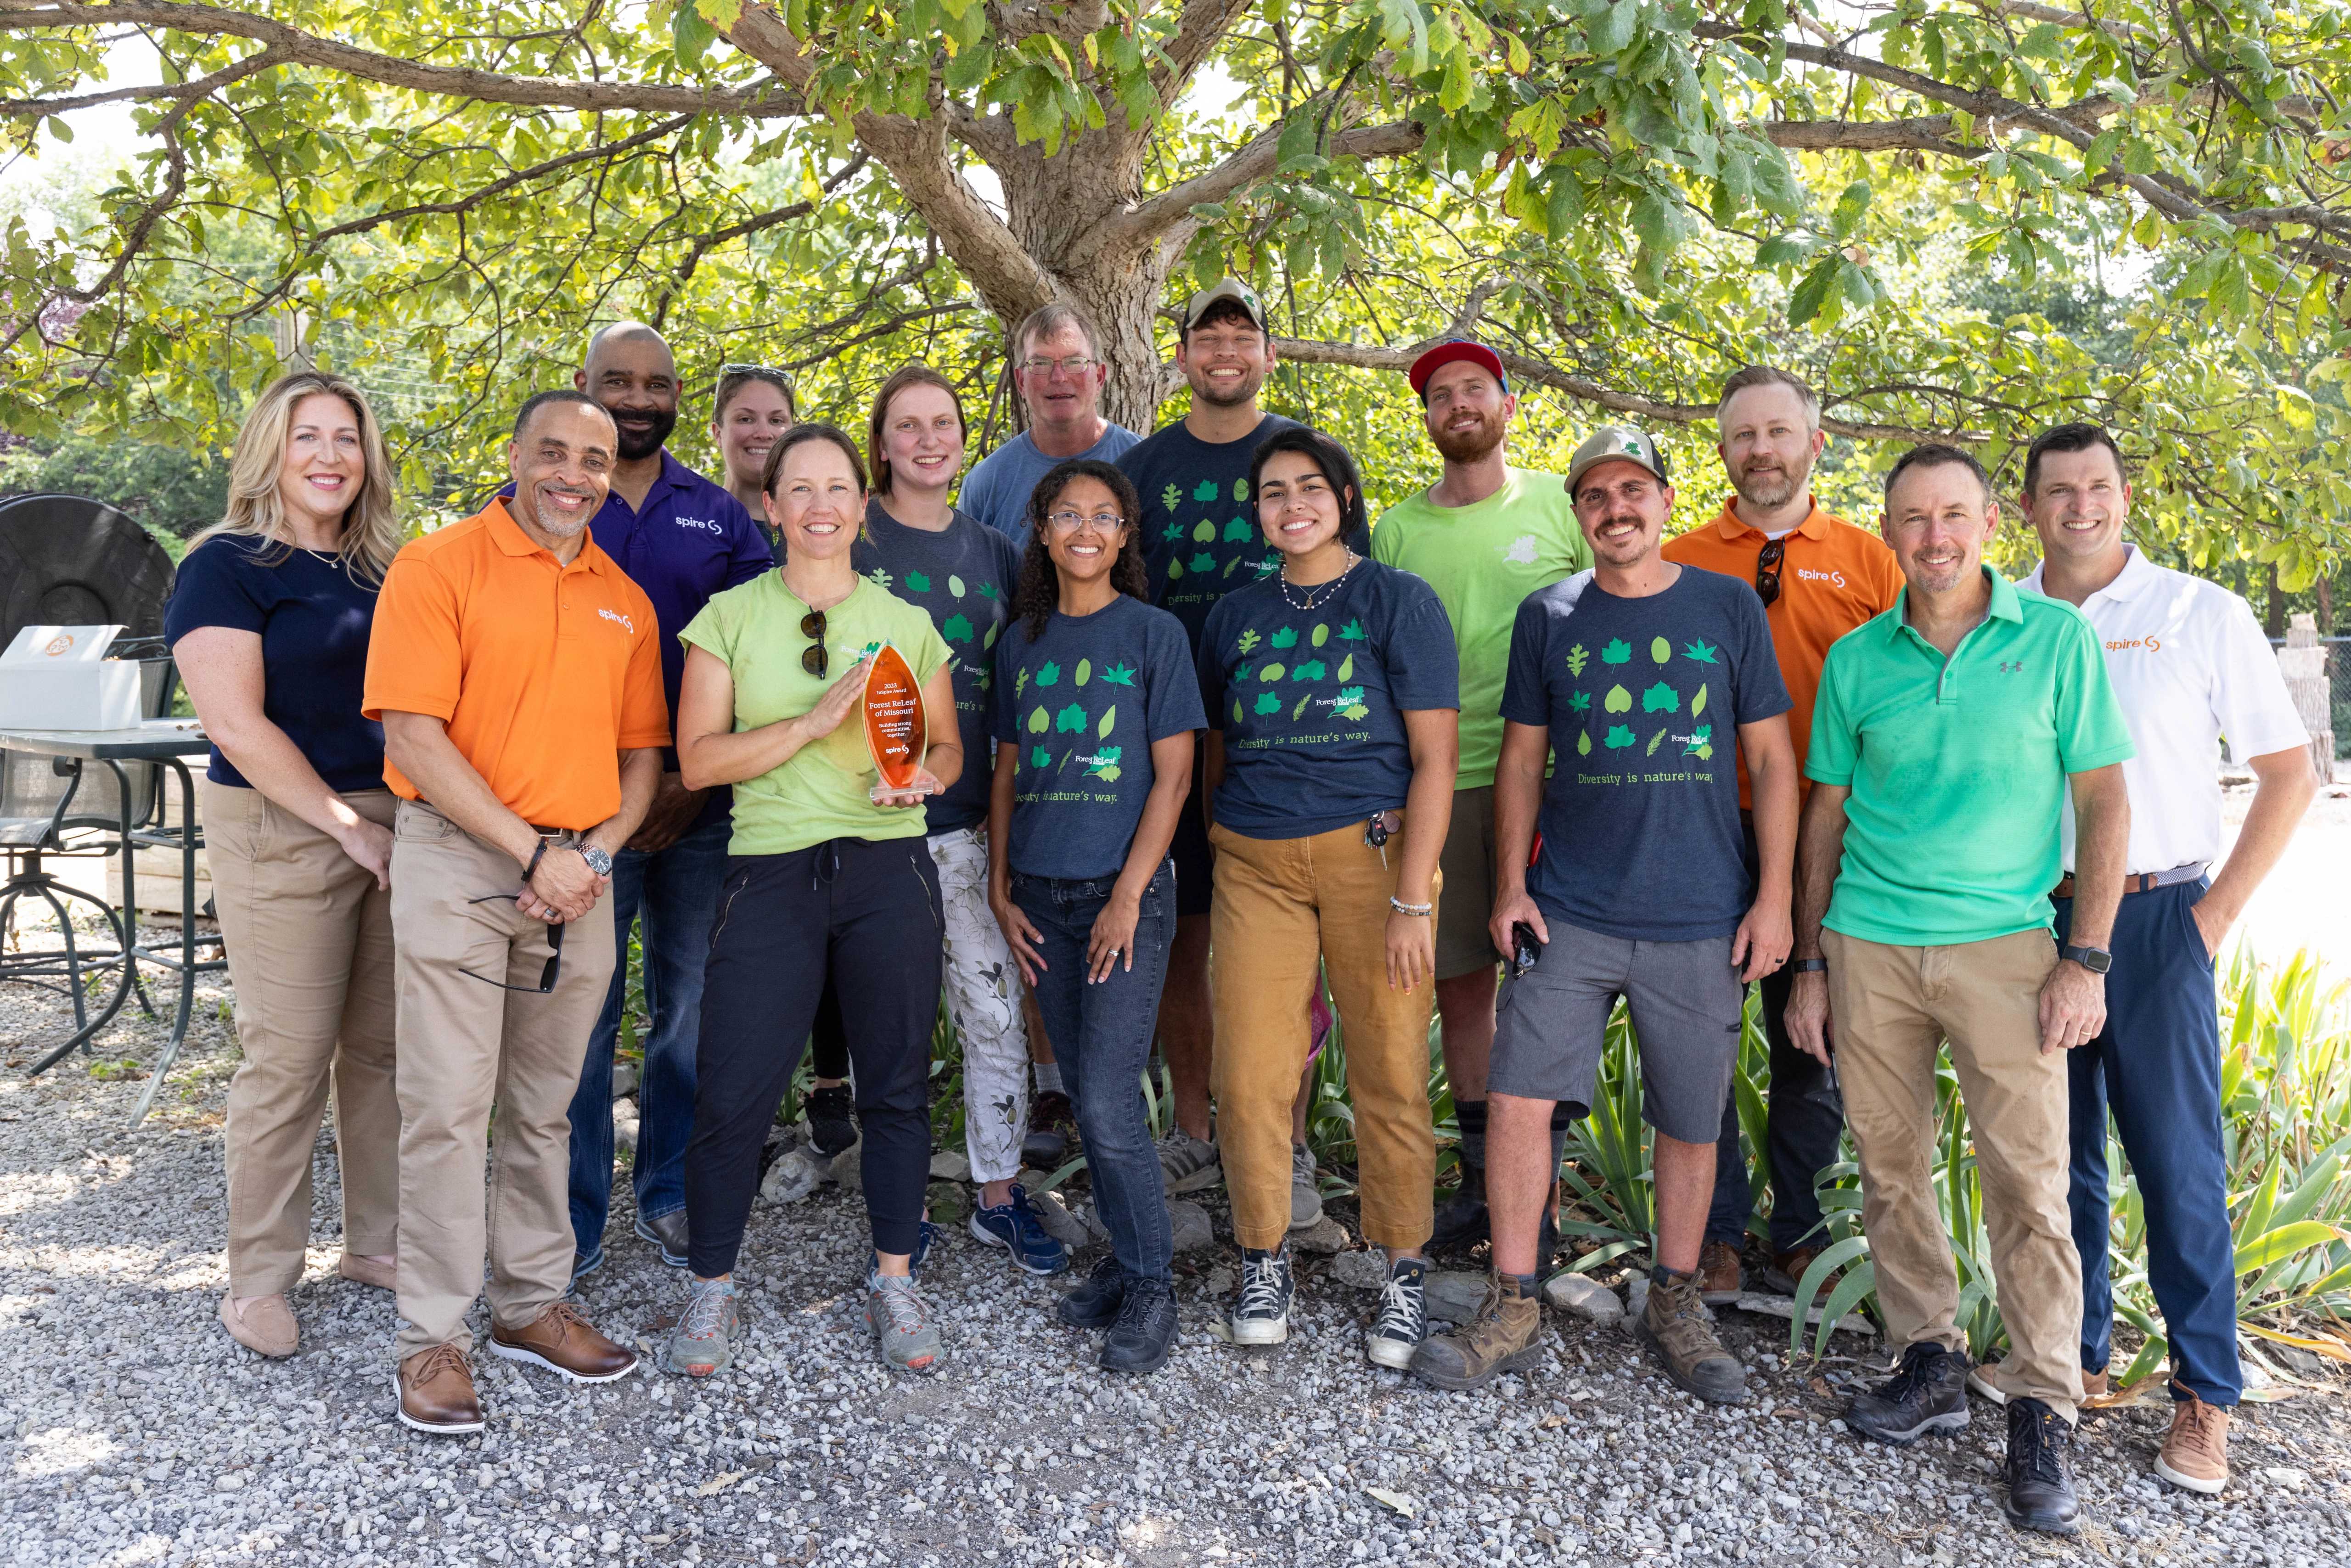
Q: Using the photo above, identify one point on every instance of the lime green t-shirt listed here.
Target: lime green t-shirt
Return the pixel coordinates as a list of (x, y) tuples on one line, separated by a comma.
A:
[(1958, 767), (1483, 561), (821, 792)]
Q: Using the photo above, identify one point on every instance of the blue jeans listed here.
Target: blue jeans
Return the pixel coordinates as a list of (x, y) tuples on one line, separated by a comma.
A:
[(2157, 1064), (675, 893), (1102, 1037)]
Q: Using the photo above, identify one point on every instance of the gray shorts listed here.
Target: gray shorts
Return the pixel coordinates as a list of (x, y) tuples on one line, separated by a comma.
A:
[(1552, 1024)]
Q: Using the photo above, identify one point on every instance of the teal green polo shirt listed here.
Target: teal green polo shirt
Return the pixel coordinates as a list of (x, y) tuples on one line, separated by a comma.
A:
[(1958, 767)]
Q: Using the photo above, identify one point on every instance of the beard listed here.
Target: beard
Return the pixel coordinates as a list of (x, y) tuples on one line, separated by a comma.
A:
[(1236, 396), (1771, 487), (632, 446), (1467, 446)]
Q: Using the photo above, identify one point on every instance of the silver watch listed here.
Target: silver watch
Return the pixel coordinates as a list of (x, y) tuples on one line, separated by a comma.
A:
[(598, 861)]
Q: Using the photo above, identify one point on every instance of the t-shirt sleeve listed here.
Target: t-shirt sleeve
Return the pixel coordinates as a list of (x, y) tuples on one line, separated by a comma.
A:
[(712, 630), (1388, 538), (2255, 711), (1174, 689), (1762, 693), (1832, 753), (2091, 730), (1525, 699), (1424, 663), (219, 584), (414, 661), (645, 703), (981, 494), (1210, 665), (1007, 710), (747, 551)]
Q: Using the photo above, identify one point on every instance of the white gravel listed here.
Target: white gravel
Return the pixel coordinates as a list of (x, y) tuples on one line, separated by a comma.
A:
[(132, 1430)]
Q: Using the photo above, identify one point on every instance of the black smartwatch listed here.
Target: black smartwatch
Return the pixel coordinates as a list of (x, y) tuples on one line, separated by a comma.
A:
[(2097, 960), (1810, 966)]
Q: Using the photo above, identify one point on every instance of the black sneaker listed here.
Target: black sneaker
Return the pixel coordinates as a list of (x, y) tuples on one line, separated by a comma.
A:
[(1403, 1321), (1096, 1304), (1927, 1393), (1144, 1337), (1461, 1220), (831, 1127), (1262, 1315), (2040, 1493)]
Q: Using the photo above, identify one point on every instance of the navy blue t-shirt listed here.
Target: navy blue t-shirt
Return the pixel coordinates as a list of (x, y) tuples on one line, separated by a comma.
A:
[(1201, 534), (1311, 703), (1083, 703), (313, 620), (1642, 698), (963, 577)]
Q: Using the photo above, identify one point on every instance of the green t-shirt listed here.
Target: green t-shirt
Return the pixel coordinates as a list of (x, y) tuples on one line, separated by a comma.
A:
[(1483, 561), (1959, 767), (821, 792)]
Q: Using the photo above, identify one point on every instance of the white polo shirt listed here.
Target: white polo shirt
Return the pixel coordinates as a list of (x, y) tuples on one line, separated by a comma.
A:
[(2190, 667)]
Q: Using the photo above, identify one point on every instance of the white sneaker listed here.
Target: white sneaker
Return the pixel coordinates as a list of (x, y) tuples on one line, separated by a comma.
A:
[(1261, 1313)]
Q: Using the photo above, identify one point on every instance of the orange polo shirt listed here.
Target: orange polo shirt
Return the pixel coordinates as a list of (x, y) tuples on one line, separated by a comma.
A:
[(544, 672), (1832, 577)]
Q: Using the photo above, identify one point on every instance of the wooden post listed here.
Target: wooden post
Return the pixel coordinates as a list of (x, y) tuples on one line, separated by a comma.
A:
[(2303, 661)]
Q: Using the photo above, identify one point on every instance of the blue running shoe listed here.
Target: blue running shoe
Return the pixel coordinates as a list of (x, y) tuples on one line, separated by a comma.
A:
[(1014, 1226), (922, 1240)]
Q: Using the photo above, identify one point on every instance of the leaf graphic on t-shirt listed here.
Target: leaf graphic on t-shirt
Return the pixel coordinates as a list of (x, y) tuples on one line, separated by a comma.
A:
[(1354, 710), (1240, 489), (1311, 670), (879, 578), (1322, 634), (1268, 672), (1229, 565), (1173, 531), (1109, 717), (1661, 698), (1660, 649), (1171, 497), (1071, 720), (1202, 561), (1206, 490), (1020, 682), (1618, 700), (1174, 569), (1039, 758), (989, 640), (1248, 640), (1119, 676), (1698, 738), (1286, 638), (1204, 532), (1619, 737), (1267, 702), (1352, 632), (1238, 529), (1654, 741), (1048, 673), (1616, 651), (919, 582), (1580, 702), (1084, 671), (1584, 743), (1700, 652), (1697, 703), (1236, 710), (1244, 671), (1347, 668), (955, 585), (956, 630), (1040, 721), (1576, 659)]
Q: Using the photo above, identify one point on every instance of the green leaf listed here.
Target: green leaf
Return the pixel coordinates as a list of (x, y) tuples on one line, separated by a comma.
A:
[(1610, 28), (1806, 301), (691, 35)]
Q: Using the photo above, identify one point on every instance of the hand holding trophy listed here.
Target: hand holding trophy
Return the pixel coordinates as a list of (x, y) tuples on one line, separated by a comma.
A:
[(896, 731)]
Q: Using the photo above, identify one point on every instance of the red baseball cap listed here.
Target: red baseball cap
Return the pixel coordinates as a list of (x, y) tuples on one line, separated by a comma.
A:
[(1446, 353)]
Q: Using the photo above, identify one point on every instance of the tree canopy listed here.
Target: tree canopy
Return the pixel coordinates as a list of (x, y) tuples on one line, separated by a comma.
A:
[(1964, 221)]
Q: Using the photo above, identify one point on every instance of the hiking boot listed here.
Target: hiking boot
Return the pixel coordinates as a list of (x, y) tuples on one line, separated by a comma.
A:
[(1501, 1338), (1786, 1269), (831, 1124), (1143, 1336), (1673, 1325), (1980, 1380), (1461, 1220), (1052, 1127), (703, 1343), (264, 1325), (2040, 1494), (1927, 1393), (562, 1342), (1403, 1321), (2195, 1454), (894, 1312), (1720, 1280), (436, 1392), (1096, 1304), (1015, 1227), (1188, 1164), (1261, 1312), (1305, 1196), (667, 1233)]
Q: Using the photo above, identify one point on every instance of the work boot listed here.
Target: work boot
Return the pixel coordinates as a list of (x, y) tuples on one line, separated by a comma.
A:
[(1461, 1220), (1501, 1338), (1786, 1269), (1720, 1280), (2195, 1454), (2040, 1494), (1927, 1393), (1673, 1325)]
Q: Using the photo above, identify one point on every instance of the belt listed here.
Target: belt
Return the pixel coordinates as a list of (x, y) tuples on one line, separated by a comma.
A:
[(2141, 882), (555, 832)]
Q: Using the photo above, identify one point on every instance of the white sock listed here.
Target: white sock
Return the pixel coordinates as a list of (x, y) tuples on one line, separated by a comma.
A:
[(1049, 1077)]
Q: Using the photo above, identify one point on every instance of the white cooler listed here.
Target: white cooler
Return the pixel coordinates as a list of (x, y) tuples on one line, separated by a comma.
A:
[(58, 677)]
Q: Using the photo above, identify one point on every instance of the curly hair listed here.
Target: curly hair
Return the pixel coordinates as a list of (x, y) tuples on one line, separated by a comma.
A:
[(1041, 585)]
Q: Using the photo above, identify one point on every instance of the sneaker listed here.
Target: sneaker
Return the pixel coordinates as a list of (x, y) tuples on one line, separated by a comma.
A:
[(667, 1233), (1305, 1196), (2195, 1454), (1014, 1226), (832, 1124), (1144, 1336), (924, 1237), (893, 1311), (1787, 1269), (1052, 1127), (703, 1343), (1927, 1393), (1261, 1312), (1403, 1321), (1979, 1381), (436, 1392), (1721, 1279), (562, 1342), (1188, 1164), (1501, 1338), (1096, 1304), (1461, 1220), (1675, 1327), (2040, 1494)]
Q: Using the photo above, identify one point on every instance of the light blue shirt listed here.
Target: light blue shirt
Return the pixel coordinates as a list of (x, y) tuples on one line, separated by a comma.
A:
[(997, 488)]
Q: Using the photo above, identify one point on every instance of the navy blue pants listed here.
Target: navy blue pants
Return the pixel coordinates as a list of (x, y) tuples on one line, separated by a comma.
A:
[(2156, 1064)]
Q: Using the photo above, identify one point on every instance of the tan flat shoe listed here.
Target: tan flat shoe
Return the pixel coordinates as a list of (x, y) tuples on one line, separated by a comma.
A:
[(263, 1324), (368, 1271)]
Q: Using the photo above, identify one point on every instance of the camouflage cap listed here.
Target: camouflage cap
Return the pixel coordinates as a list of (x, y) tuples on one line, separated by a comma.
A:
[(1617, 443), (1224, 288)]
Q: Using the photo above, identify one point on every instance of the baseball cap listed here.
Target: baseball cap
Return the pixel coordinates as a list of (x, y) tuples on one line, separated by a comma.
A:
[(1448, 352), (1617, 443), (1224, 288)]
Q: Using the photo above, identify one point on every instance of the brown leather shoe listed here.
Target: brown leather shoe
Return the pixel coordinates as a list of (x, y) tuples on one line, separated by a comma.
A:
[(559, 1340), (367, 1271), (1786, 1271), (2195, 1454), (436, 1392), (1720, 1280), (264, 1325)]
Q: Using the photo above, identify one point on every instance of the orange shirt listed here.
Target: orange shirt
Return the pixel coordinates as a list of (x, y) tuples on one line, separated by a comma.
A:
[(1833, 578), (544, 672)]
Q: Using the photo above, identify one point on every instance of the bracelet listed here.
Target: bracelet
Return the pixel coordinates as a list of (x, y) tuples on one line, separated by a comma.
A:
[(536, 856), (1401, 907), (1810, 966)]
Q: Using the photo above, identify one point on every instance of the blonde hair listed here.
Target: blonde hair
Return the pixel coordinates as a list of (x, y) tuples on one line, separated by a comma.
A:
[(371, 532)]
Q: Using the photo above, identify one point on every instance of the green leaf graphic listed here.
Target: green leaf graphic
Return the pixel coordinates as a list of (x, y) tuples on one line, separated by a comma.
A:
[(1618, 700), (1700, 652), (1204, 533), (1039, 758), (1239, 529), (1084, 671), (1048, 673), (1109, 717), (1661, 698), (1300, 708), (1270, 672), (956, 630), (1171, 497), (1654, 741), (1237, 709), (1352, 632), (1119, 676), (918, 581), (1584, 743), (1697, 703), (1619, 737), (1040, 722), (1580, 702), (1071, 720), (1267, 702), (1576, 659), (1248, 640), (1660, 649), (1347, 668), (1206, 490), (1286, 638), (1311, 670), (1616, 651), (1240, 489), (1322, 634), (955, 585)]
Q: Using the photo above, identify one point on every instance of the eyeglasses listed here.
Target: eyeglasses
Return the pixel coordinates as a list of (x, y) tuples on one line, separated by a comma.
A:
[(1075, 365), (1067, 522), (746, 369), (813, 658), (554, 955), (1766, 570)]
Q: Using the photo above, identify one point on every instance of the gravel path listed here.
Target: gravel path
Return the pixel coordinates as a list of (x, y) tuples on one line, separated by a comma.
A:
[(132, 1430)]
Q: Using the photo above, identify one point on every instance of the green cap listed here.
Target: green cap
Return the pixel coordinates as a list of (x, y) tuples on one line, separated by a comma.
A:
[(1224, 288), (1616, 443)]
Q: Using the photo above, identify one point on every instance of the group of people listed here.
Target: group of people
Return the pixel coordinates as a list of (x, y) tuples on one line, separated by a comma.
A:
[(1201, 707)]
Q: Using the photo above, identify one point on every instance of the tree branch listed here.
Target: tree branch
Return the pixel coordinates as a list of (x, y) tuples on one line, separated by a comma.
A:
[(1254, 160), (1072, 21), (24, 108)]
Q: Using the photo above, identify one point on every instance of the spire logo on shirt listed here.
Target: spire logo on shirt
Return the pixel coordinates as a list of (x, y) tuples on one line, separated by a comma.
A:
[(2151, 643), (705, 525), (1808, 574), (617, 619)]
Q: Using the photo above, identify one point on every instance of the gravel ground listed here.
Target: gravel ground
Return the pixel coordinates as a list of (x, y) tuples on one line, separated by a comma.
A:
[(132, 1430)]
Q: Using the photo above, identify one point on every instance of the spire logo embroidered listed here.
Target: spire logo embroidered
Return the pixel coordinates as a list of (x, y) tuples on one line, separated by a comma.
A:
[(617, 619)]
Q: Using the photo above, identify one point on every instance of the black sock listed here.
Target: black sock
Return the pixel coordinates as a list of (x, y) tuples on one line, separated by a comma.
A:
[(1526, 1284), (1471, 1115)]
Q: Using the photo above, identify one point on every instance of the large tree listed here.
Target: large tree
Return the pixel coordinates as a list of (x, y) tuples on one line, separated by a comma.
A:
[(1631, 196)]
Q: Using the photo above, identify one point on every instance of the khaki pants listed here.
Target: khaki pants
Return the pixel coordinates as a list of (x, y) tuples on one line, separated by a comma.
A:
[(309, 935), (1890, 1008), (1281, 905), (468, 1050)]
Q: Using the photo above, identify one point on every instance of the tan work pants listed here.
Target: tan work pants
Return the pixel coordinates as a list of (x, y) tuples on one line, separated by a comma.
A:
[(309, 935), (1281, 905), (468, 1050), (1890, 1008)]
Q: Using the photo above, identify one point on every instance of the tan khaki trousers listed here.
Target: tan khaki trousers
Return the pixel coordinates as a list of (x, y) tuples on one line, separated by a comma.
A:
[(1281, 905), (1890, 1008), (468, 1050), (309, 935)]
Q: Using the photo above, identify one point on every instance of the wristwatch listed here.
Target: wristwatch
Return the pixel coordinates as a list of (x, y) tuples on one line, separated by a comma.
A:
[(598, 861), (2097, 960), (1810, 966)]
